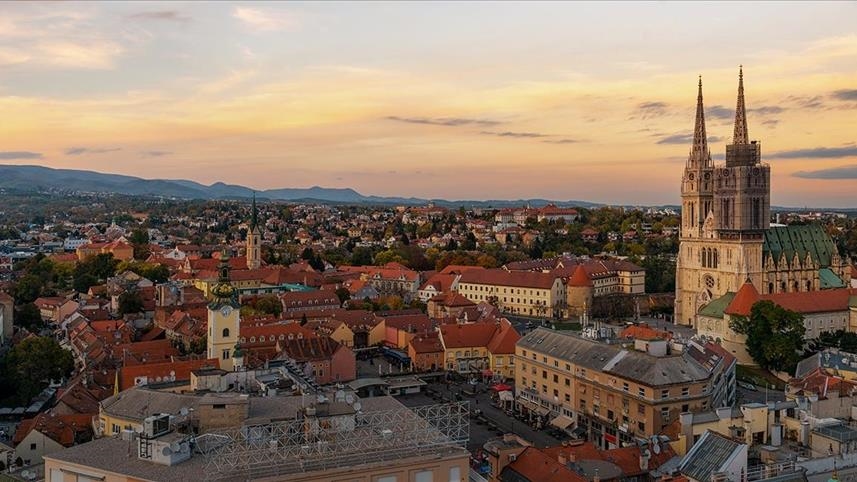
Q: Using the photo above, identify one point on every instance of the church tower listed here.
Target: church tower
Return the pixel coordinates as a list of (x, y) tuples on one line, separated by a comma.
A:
[(254, 238), (742, 204), (223, 317), (697, 198)]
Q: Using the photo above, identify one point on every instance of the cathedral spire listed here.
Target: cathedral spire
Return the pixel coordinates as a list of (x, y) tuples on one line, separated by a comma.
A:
[(740, 136), (699, 155)]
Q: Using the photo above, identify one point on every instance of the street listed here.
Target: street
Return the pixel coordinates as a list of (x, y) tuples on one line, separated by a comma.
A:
[(496, 423)]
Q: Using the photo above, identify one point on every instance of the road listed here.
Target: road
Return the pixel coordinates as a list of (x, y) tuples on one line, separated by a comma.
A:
[(497, 422)]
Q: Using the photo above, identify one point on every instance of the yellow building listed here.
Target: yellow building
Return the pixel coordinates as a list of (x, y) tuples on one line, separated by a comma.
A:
[(519, 292), (223, 319), (616, 392)]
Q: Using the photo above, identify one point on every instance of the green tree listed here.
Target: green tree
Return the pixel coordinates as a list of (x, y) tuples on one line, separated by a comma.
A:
[(28, 288), (130, 302), (343, 294), (139, 240), (269, 305), (774, 335), (34, 362), (29, 316)]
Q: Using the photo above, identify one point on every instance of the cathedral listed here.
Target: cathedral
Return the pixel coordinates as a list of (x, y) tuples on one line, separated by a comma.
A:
[(726, 238)]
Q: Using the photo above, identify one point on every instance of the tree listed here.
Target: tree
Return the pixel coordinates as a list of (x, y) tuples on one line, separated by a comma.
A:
[(130, 302), (34, 362), (343, 294), (28, 288), (774, 335), (139, 240), (29, 316), (304, 320), (269, 305)]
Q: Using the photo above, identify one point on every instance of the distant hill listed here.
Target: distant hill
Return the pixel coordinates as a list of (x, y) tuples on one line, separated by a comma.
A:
[(46, 178)]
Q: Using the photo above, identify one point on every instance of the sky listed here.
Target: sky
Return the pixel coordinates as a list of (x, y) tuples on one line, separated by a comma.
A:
[(482, 100)]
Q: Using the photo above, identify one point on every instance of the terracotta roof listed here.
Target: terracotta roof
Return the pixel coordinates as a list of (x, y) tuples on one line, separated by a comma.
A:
[(410, 323), (535, 465), (580, 278), (161, 372), (309, 349), (428, 343), (66, 430), (744, 300), (819, 382), (309, 299), (504, 339), (644, 332), (501, 277), (467, 335), (265, 332)]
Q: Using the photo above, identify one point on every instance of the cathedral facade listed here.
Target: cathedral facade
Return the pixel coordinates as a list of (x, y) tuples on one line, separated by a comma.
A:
[(726, 237)]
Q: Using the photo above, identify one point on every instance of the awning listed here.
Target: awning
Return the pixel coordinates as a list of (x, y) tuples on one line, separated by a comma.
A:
[(531, 406), (506, 396), (543, 411), (562, 422), (501, 387)]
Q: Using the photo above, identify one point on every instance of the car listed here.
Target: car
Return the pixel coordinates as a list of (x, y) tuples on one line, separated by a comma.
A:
[(748, 386)]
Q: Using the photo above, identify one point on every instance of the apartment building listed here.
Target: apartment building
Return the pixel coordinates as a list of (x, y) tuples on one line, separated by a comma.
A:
[(517, 292), (616, 391)]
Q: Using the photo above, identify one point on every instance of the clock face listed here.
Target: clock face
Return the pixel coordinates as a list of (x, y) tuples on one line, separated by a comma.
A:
[(226, 310)]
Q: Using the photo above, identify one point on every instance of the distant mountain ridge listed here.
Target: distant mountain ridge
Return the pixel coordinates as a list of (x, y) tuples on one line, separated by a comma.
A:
[(46, 178), (30, 177)]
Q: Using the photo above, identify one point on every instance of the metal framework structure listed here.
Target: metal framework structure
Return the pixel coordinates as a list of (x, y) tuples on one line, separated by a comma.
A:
[(318, 443)]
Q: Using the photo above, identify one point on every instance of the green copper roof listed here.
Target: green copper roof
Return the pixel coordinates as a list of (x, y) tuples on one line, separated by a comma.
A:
[(804, 239), (716, 307), (829, 279)]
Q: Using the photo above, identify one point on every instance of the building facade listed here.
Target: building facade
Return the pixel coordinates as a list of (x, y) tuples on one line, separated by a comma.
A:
[(726, 237), (617, 392)]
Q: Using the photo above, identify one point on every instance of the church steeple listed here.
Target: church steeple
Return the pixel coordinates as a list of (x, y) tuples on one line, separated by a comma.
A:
[(699, 154), (254, 218), (740, 135)]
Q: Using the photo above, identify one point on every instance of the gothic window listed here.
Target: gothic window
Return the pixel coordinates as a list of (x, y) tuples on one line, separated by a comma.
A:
[(225, 332), (715, 258), (783, 286), (808, 285), (770, 288)]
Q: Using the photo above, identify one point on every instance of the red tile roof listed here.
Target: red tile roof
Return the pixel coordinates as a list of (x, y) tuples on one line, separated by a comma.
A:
[(534, 464), (744, 300), (501, 277), (467, 335), (580, 278), (163, 372), (428, 343), (644, 332), (504, 339), (66, 430), (309, 349)]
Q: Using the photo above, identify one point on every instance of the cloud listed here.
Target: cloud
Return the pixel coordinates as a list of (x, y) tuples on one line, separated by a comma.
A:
[(767, 110), (155, 153), (684, 139), (9, 155), (845, 94), (166, 15), (849, 150), (649, 110), (719, 112), (76, 151), (806, 101), (444, 121), (843, 172), (771, 122), (561, 141), (263, 20), (514, 134)]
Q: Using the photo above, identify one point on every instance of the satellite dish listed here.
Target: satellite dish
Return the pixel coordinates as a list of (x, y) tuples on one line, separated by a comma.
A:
[(357, 406), (175, 447), (656, 447), (349, 399)]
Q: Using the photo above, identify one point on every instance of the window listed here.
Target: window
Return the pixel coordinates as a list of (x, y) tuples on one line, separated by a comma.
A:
[(544, 388), (685, 408), (685, 391), (665, 393), (567, 382), (32, 446), (226, 333), (641, 409), (115, 428), (424, 476), (567, 397), (545, 374), (665, 415), (641, 392), (219, 406), (455, 474), (625, 386), (225, 354), (555, 378), (386, 478)]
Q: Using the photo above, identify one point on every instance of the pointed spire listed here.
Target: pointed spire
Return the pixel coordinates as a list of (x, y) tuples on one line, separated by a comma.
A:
[(254, 217), (699, 154), (740, 136)]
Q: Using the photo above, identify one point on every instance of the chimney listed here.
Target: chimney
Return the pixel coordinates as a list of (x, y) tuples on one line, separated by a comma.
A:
[(724, 413), (562, 459), (572, 457)]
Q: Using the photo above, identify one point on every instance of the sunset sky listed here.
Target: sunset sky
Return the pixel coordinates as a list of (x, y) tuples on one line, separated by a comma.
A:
[(452, 100)]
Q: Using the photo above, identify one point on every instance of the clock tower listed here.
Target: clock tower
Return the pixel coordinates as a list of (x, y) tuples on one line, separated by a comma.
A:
[(223, 317)]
